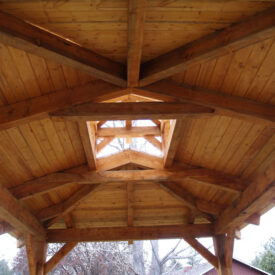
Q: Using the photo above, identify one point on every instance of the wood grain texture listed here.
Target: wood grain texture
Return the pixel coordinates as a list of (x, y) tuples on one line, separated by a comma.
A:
[(236, 36), (254, 198), (12, 212), (249, 110), (136, 17), (39, 107), (58, 256), (129, 111), (128, 233), (20, 34)]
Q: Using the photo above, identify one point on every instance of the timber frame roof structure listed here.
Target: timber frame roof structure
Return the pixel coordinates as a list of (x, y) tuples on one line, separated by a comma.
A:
[(202, 72)]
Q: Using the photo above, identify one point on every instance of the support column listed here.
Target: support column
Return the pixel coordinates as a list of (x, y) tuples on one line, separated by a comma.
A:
[(223, 245), (36, 253)]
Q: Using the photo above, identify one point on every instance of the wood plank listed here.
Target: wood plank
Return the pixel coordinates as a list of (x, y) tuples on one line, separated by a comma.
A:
[(58, 211), (254, 198), (238, 35), (58, 256), (212, 259), (129, 233), (25, 36), (223, 104), (37, 108), (136, 17), (173, 141), (13, 213), (131, 111), (88, 143), (132, 132), (83, 175)]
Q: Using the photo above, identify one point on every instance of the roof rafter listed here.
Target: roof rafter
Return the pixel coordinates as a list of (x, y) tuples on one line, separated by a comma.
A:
[(218, 43), (136, 16), (254, 198), (25, 36), (179, 192), (18, 217), (58, 211), (39, 107), (223, 104)]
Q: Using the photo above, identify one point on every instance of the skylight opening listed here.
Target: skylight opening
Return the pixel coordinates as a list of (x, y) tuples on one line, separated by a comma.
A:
[(139, 144), (113, 137)]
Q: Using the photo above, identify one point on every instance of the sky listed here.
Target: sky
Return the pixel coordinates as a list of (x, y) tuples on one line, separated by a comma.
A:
[(252, 241)]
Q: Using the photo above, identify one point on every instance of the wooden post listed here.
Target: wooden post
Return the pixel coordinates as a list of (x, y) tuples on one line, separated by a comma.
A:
[(223, 245), (36, 253)]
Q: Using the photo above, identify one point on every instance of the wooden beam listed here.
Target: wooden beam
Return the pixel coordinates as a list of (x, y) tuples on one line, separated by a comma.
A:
[(49, 182), (136, 17), (238, 35), (58, 256), (226, 105), (180, 193), (212, 259), (36, 253), (39, 107), (87, 136), (173, 141), (126, 157), (18, 217), (30, 38), (223, 245), (154, 142), (83, 175), (58, 211), (124, 132), (131, 111), (104, 143), (254, 198), (129, 233)]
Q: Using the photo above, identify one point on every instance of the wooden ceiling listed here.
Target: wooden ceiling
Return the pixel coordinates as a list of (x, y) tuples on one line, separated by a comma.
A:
[(204, 70)]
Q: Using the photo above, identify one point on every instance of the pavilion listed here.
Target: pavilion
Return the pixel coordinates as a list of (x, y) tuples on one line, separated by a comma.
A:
[(201, 73)]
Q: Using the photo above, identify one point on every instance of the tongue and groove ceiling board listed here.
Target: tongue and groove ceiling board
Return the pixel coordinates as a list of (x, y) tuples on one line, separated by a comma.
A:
[(35, 142)]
